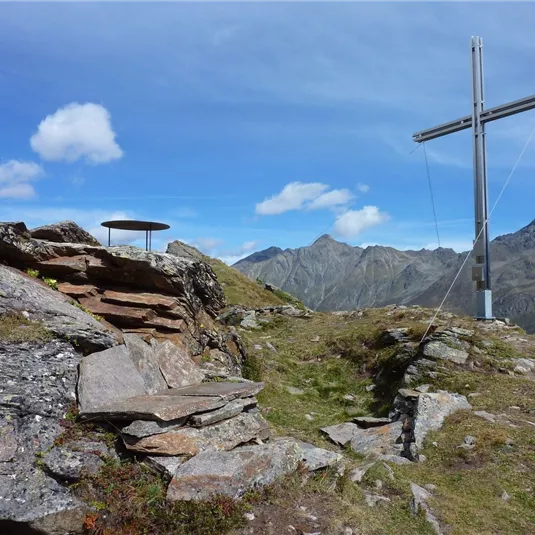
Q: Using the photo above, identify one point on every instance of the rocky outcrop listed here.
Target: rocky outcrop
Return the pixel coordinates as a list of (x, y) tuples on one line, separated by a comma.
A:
[(158, 296), (25, 295), (64, 232), (413, 415)]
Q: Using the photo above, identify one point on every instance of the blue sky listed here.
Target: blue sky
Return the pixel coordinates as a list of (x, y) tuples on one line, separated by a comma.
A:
[(254, 124)]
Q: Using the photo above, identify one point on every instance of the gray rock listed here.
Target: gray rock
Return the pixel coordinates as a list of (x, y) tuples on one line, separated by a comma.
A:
[(373, 499), (158, 408), (224, 390), (432, 409), (294, 391), (64, 232), (524, 366), (223, 435), (108, 377), (357, 474), (249, 320), (441, 351), (234, 472), (30, 498), (179, 248), (466, 333), (420, 497), (341, 434), (228, 411), (377, 440), (271, 347), (394, 336), (315, 458), (370, 421), (144, 359), (486, 415), (505, 496), (176, 365), (167, 466), (144, 428), (8, 441), (21, 293), (37, 377), (393, 459), (68, 465)]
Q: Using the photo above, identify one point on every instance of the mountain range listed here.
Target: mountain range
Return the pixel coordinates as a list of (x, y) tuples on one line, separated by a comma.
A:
[(329, 275)]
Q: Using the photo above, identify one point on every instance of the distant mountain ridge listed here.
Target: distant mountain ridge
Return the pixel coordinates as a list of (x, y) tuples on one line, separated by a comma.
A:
[(331, 275)]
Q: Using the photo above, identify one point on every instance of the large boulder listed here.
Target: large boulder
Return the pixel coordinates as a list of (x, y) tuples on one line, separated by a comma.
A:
[(232, 473), (64, 232), (179, 248)]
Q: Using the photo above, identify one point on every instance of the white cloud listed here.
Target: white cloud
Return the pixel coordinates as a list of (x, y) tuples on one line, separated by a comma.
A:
[(77, 131), (363, 188), (292, 197), (354, 222), (15, 177), (331, 199)]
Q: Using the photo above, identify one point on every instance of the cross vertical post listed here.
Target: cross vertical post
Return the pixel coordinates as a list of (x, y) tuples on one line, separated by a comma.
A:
[(481, 270), (477, 121)]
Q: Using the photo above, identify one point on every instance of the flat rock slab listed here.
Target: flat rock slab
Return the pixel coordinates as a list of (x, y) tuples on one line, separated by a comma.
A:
[(224, 435), (164, 407), (107, 377), (233, 473), (341, 434), (77, 290), (232, 408), (226, 391), (432, 409), (144, 428), (177, 367), (441, 351), (139, 299), (370, 421), (315, 458), (377, 440), (146, 362)]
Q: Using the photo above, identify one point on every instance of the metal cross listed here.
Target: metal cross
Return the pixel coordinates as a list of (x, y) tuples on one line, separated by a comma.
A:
[(477, 121)]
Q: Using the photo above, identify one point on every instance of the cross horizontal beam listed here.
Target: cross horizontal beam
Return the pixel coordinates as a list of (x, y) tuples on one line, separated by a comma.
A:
[(486, 116)]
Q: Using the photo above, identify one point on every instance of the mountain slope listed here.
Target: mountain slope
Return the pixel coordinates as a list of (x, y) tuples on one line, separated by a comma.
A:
[(329, 275)]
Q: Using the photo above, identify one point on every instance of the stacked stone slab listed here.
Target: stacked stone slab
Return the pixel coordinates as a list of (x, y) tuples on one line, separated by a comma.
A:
[(199, 434)]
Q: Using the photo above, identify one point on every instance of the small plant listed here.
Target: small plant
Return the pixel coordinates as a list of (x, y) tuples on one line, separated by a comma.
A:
[(53, 283), (86, 310), (32, 273)]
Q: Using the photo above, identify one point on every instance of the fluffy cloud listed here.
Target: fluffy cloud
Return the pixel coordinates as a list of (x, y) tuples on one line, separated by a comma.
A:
[(292, 197), (331, 199), (304, 196), (354, 222), (15, 177), (363, 188), (77, 131)]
